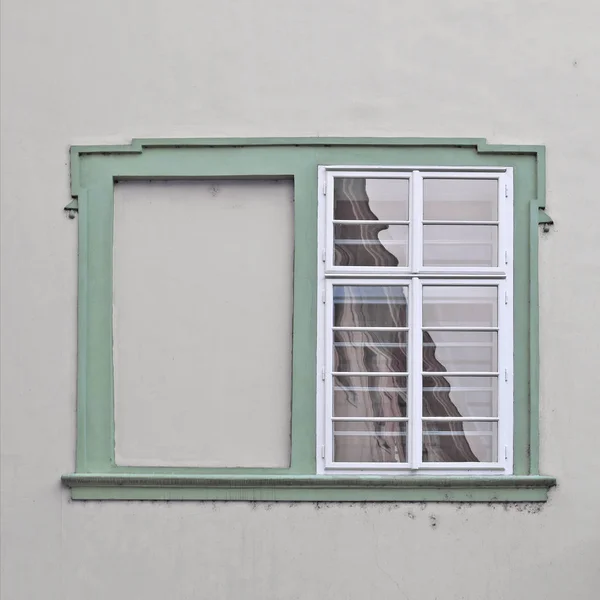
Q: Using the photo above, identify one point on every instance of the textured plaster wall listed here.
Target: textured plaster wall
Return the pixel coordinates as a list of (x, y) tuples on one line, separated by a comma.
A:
[(514, 71)]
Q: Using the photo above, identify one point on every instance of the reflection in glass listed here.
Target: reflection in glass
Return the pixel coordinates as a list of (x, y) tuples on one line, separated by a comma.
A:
[(369, 306), (371, 351), (385, 306), (460, 306), (460, 199), (367, 396), (462, 350), (460, 245), (471, 396), (452, 445), (376, 245), (359, 198), (369, 441), (439, 441)]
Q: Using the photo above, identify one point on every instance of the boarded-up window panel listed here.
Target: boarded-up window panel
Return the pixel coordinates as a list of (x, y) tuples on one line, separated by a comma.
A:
[(203, 323)]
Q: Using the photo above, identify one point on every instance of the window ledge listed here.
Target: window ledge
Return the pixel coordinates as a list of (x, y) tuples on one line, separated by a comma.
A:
[(321, 488)]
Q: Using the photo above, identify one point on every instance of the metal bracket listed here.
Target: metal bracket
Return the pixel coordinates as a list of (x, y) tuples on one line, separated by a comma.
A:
[(545, 220), (72, 208)]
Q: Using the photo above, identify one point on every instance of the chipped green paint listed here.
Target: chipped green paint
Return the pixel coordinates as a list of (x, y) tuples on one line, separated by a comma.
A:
[(94, 169)]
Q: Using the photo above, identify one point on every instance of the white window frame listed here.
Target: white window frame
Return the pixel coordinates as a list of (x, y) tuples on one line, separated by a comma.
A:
[(414, 276)]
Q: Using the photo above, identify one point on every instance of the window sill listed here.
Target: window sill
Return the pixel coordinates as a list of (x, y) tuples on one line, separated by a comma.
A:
[(315, 488)]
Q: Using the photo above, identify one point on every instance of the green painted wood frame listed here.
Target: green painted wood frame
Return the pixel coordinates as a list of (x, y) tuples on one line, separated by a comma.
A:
[(94, 170)]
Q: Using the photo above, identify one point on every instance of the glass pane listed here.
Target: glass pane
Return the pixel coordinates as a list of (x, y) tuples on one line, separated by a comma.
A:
[(460, 351), (360, 396), (376, 245), (445, 396), (369, 441), (460, 306), (370, 351), (460, 199), (370, 199), (370, 305), (460, 245), (457, 441)]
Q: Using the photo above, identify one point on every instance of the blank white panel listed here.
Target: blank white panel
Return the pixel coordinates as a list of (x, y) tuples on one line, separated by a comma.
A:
[(203, 275)]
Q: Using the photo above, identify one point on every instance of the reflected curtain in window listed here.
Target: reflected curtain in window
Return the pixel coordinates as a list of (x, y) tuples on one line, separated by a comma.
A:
[(382, 396)]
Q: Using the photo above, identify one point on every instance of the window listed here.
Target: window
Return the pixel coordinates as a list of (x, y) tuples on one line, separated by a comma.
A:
[(414, 372), (416, 323)]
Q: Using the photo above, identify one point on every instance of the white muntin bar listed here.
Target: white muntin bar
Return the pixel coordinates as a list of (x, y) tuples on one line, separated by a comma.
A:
[(368, 222), (369, 374), (459, 329), (370, 328), (415, 259), (458, 173), (369, 419), (469, 223), (460, 373), (415, 358), (473, 274), (462, 419)]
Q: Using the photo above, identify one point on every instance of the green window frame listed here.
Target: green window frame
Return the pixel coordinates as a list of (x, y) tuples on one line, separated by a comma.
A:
[(94, 170)]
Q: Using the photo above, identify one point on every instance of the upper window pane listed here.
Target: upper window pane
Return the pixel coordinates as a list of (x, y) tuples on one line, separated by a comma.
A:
[(374, 199), (460, 199), (370, 245), (460, 245)]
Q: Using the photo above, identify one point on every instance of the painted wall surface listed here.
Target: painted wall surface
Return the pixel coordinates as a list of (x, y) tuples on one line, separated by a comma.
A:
[(203, 323), (514, 71)]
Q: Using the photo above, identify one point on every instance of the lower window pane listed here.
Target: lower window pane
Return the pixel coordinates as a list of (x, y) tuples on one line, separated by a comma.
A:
[(460, 351), (369, 441), (370, 305), (459, 441), (362, 396), (448, 396), (460, 306), (370, 351)]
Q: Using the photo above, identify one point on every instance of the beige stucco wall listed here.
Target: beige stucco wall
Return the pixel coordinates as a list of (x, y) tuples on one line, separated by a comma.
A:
[(514, 71)]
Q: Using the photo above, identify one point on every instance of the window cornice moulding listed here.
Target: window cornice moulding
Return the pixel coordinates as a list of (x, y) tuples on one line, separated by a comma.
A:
[(481, 145)]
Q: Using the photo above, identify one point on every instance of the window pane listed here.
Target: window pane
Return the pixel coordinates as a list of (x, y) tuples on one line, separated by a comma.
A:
[(370, 199), (460, 306), (446, 396), (376, 245), (460, 199), (460, 351), (460, 245), (457, 441), (360, 396), (370, 305), (370, 441), (370, 351)]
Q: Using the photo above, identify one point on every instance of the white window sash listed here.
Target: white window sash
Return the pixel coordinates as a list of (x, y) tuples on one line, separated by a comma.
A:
[(414, 276)]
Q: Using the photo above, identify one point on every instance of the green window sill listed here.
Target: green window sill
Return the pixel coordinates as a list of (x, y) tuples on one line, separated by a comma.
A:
[(527, 488)]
